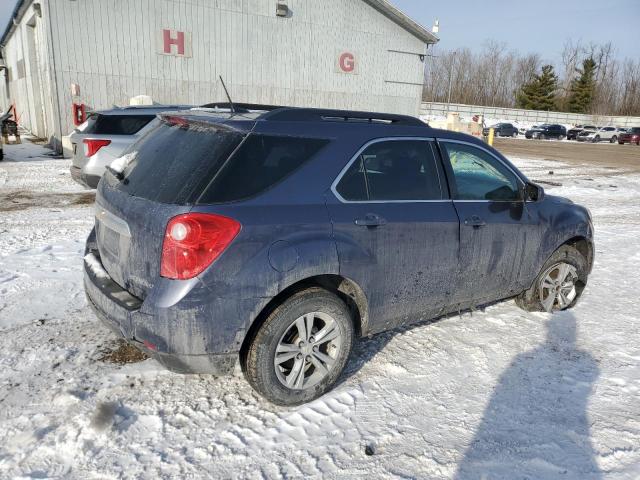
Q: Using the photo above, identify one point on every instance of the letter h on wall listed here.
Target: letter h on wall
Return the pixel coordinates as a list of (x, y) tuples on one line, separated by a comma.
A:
[(174, 42)]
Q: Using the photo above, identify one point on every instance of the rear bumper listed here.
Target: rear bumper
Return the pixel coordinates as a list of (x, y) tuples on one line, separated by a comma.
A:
[(121, 312), (90, 181)]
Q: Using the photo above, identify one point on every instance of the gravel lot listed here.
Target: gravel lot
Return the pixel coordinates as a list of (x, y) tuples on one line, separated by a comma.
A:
[(604, 154)]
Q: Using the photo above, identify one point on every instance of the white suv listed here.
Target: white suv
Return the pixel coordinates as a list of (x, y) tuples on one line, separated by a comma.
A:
[(604, 133)]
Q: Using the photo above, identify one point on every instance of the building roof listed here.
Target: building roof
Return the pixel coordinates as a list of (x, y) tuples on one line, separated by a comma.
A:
[(16, 15), (402, 19), (382, 6)]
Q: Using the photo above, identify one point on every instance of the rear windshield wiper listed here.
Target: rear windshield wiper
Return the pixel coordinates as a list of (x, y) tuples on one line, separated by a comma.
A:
[(116, 173)]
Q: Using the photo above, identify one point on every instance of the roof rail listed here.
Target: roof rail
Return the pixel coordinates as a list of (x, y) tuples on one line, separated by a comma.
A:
[(293, 114), (241, 107)]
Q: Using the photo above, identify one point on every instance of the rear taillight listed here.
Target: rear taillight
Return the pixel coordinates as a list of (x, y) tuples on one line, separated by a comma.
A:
[(93, 145), (193, 241)]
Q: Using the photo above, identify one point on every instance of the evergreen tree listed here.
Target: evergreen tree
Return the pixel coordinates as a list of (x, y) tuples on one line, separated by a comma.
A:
[(583, 88), (540, 92)]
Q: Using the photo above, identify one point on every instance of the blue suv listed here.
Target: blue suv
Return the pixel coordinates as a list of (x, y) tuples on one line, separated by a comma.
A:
[(276, 236)]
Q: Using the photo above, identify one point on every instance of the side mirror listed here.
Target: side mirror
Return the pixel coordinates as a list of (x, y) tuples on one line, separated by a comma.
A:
[(533, 192)]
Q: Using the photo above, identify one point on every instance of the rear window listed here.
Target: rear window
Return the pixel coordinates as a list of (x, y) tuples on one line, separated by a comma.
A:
[(117, 124), (634, 130), (173, 164), (261, 162)]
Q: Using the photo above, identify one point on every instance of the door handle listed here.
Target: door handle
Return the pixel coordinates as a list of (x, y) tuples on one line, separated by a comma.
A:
[(370, 220), (474, 221)]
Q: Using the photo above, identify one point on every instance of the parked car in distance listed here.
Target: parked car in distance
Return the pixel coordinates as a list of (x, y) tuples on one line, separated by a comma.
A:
[(275, 238), (572, 133), (502, 130), (547, 131), (106, 134), (632, 135), (605, 133)]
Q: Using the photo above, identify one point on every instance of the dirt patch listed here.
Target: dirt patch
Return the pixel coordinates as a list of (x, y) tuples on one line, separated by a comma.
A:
[(24, 199), (606, 155), (123, 353), (85, 198)]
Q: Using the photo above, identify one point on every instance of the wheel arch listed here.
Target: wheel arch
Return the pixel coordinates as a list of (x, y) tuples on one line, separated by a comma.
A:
[(346, 289), (584, 246)]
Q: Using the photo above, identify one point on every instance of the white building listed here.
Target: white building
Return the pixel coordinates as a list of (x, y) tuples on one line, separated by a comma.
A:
[(353, 54)]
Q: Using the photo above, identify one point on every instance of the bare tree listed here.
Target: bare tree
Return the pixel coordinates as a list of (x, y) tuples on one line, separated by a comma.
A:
[(494, 76)]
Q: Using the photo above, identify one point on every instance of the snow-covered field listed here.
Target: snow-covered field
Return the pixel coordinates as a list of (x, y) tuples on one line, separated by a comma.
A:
[(494, 394)]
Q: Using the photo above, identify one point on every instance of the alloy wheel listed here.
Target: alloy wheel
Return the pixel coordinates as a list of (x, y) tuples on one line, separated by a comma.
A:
[(557, 287), (307, 351)]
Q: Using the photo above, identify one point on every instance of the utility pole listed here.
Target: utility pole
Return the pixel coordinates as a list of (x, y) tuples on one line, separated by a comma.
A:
[(453, 59)]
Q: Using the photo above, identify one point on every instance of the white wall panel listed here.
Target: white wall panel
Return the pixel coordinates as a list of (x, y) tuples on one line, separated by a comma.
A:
[(109, 48), (30, 87), (526, 116)]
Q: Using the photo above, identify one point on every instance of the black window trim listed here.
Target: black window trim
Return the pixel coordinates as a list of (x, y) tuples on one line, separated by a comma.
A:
[(449, 169), (443, 190)]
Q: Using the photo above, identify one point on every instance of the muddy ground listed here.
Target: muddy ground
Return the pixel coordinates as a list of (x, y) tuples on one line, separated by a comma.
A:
[(21, 199), (611, 155)]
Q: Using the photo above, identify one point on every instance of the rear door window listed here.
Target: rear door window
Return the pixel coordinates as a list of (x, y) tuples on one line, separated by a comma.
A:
[(261, 162), (400, 170), (117, 124)]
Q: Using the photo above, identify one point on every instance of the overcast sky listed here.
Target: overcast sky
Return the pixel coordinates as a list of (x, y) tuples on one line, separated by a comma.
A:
[(528, 26)]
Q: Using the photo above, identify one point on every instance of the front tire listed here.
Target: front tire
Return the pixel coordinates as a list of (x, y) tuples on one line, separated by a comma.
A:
[(560, 283), (614, 139), (301, 349)]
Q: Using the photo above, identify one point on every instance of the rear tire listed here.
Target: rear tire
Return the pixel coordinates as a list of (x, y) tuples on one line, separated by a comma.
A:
[(515, 134), (553, 290), (290, 361)]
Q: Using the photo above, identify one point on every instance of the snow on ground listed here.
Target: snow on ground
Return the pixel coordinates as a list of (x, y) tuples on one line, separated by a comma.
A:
[(494, 394)]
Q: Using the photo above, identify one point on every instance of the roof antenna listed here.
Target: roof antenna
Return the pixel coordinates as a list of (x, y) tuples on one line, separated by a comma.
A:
[(231, 107)]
